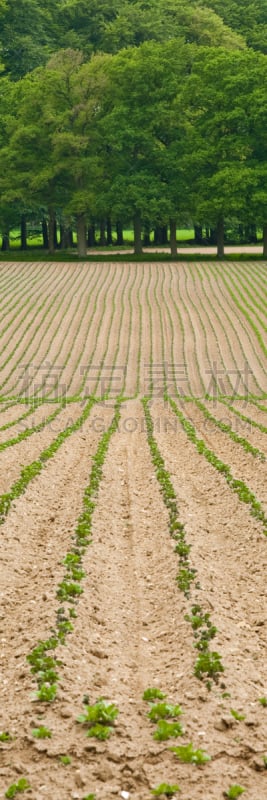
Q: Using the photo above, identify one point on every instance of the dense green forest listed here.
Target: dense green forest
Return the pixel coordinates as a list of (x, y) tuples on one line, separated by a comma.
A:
[(118, 113)]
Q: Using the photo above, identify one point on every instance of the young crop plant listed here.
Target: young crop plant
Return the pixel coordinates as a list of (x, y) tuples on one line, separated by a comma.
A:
[(153, 694), (263, 701), (163, 711), (99, 718), (89, 797), (208, 665), (234, 791), (65, 760), (165, 790), (21, 786), (188, 755), (5, 737), (237, 716), (167, 730), (41, 733)]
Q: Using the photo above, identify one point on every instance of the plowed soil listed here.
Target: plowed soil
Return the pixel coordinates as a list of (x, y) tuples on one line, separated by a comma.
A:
[(183, 332)]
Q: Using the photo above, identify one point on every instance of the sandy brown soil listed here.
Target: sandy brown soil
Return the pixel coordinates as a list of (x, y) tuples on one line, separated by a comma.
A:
[(130, 632)]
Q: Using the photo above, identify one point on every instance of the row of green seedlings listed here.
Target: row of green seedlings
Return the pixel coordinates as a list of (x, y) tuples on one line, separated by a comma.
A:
[(244, 418), (32, 470), (34, 429), (76, 336), (114, 304), (100, 324), (238, 486), (90, 316), (247, 317), (44, 666), (69, 287), (29, 294), (28, 326), (167, 719), (244, 298), (30, 410), (208, 665), (23, 785), (226, 428), (229, 318), (204, 326), (182, 328), (260, 303), (8, 283)]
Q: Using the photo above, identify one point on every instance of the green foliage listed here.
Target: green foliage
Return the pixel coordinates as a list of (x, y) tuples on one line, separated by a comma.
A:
[(208, 665), (99, 731), (167, 730), (165, 789), (46, 694), (153, 694), (236, 715), (188, 755), (163, 711), (234, 791), (41, 733), (99, 718), (21, 786), (65, 760), (89, 797), (263, 701), (5, 737)]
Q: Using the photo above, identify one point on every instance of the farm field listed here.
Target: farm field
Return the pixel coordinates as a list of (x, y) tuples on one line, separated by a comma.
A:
[(133, 524)]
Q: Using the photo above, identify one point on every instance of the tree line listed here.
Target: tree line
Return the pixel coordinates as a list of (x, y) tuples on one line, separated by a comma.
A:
[(151, 114)]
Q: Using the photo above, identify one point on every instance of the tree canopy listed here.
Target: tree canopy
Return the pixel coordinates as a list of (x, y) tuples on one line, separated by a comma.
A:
[(145, 112)]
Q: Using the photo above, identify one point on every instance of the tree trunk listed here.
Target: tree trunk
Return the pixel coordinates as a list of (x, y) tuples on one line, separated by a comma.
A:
[(91, 240), (70, 242), (51, 231), (161, 235), (173, 242), (137, 235), (265, 241), (81, 236), (119, 231), (109, 231), (64, 242), (102, 239), (45, 234), (23, 232), (146, 236), (55, 234), (198, 234), (220, 237), (5, 242)]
